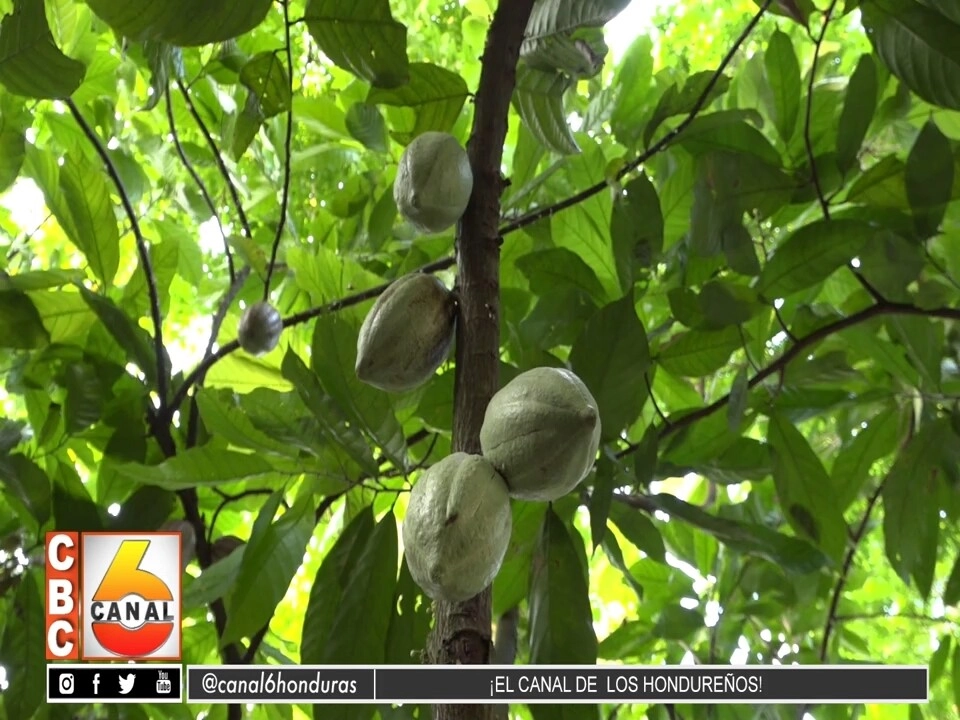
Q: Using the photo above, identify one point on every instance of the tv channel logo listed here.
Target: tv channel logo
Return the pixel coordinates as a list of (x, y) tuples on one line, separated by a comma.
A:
[(113, 595)]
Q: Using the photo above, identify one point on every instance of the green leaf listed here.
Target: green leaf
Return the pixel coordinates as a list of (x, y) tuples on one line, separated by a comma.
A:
[(615, 377), (804, 489), (31, 64), (947, 8), (73, 508), (681, 101), (939, 659), (783, 73), (919, 46), (955, 675), (951, 592), (215, 582), (365, 123), (271, 559), (512, 583), (204, 465), (791, 553), (538, 100), (739, 396), (811, 254), (79, 197), (12, 152), (852, 467), (890, 264), (600, 499), (436, 96), (84, 401), (22, 649), (362, 620), (566, 35), (636, 229), (326, 593), (225, 417), (129, 336), (265, 76), (146, 509), (639, 530), (923, 339), (859, 105), (615, 555), (410, 623), (645, 456), (561, 619), (697, 353), (21, 326), (183, 23), (363, 38), (632, 83), (29, 484), (556, 268), (929, 177), (911, 510)]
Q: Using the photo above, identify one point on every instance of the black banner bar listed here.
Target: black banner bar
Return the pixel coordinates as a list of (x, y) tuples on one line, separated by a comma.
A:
[(115, 683), (750, 684)]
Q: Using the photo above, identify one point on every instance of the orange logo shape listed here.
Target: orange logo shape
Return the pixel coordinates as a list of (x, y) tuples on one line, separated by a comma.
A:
[(134, 609)]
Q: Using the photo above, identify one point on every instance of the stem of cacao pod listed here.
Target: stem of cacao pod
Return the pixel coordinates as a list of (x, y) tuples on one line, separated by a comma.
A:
[(461, 633)]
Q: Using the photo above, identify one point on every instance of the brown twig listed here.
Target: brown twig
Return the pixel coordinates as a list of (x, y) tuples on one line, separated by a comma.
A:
[(288, 141)]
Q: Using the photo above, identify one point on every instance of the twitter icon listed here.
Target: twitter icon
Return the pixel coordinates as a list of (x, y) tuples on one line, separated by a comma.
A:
[(126, 683)]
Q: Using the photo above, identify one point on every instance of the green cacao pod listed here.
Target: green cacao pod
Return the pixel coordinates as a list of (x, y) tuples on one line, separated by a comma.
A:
[(457, 527), (407, 334), (260, 328), (434, 181), (541, 431)]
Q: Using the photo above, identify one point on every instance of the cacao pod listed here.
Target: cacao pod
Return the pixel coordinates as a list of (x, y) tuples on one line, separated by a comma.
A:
[(457, 527), (434, 181), (541, 431), (407, 334), (260, 328)]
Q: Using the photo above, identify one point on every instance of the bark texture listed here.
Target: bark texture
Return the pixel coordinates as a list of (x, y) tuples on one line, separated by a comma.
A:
[(461, 634)]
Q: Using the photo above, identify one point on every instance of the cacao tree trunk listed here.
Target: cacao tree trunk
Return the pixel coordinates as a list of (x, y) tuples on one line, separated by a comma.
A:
[(461, 634)]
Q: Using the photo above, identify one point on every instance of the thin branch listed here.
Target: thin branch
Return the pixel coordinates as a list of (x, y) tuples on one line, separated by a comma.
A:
[(215, 325), (664, 142), (285, 196), (783, 325), (795, 350), (199, 182), (301, 317), (226, 499), (234, 195), (142, 250), (917, 617), (807, 140), (845, 570), (663, 418)]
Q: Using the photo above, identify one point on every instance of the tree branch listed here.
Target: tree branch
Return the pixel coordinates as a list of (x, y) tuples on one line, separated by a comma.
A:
[(664, 142), (198, 181), (461, 633), (231, 188), (285, 195), (778, 365), (142, 250)]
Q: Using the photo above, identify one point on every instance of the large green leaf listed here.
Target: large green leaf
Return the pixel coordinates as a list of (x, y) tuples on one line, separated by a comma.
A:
[(410, 624), (29, 484), (559, 268), (361, 37), (326, 593), (266, 78), (791, 553), (929, 176), (31, 64), (21, 326), (806, 494), (783, 73), (436, 96), (697, 353), (615, 377), (12, 151), (682, 100), (558, 35), (271, 559), (538, 100), (198, 466), (852, 467), (911, 503), (859, 104), (184, 23), (919, 45), (22, 649), (636, 229), (811, 254), (561, 619), (129, 336)]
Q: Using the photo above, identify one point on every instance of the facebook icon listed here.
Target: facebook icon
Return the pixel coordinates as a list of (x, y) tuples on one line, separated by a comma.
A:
[(96, 684)]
